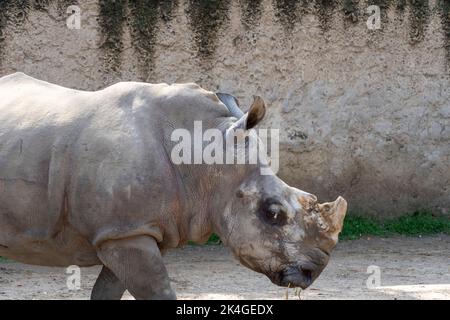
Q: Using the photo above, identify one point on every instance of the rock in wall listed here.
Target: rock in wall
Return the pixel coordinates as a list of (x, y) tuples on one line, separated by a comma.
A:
[(363, 113)]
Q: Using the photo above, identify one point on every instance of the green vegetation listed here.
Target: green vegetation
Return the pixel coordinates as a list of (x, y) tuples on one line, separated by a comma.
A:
[(143, 22), (418, 223), (206, 18), (357, 226), (111, 22), (251, 12), (213, 240)]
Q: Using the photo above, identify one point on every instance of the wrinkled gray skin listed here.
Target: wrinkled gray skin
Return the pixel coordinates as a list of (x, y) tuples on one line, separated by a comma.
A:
[(86, 178)]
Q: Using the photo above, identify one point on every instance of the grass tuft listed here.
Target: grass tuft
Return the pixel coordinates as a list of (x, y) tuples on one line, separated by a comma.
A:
[(418, 223), (213, 240), (357, 226)]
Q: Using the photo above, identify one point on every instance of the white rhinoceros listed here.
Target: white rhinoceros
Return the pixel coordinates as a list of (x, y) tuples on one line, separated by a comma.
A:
[(86, 178)]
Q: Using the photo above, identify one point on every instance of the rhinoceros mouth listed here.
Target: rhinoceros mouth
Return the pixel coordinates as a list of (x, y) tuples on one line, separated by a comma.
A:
[(293, 276)]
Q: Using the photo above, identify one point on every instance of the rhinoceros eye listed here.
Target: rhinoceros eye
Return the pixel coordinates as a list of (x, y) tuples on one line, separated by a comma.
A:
[(273, 213)]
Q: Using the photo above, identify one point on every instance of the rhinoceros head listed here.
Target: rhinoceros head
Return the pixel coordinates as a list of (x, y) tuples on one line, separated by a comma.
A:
[(278, 230)]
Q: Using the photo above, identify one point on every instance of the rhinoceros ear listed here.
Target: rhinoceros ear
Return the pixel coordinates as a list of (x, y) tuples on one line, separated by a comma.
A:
[(231, 103), (255, 113), (245, 121)]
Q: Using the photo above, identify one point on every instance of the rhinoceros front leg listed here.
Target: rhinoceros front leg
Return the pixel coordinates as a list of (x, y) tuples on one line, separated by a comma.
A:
[(138, 264), (107, 286)]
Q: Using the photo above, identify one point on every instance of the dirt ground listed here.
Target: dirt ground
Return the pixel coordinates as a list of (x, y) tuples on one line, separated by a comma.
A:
[(410, 268)]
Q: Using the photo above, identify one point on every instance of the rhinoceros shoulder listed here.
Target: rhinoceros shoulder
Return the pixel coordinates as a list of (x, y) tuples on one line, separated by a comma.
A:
[(192, 90), (193, 87), (189, 97)]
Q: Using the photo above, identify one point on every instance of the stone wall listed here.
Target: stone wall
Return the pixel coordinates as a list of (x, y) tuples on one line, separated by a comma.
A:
[(363, 113)]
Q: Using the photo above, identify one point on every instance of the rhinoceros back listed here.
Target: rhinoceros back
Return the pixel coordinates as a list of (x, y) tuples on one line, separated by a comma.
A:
[(78, 168)]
